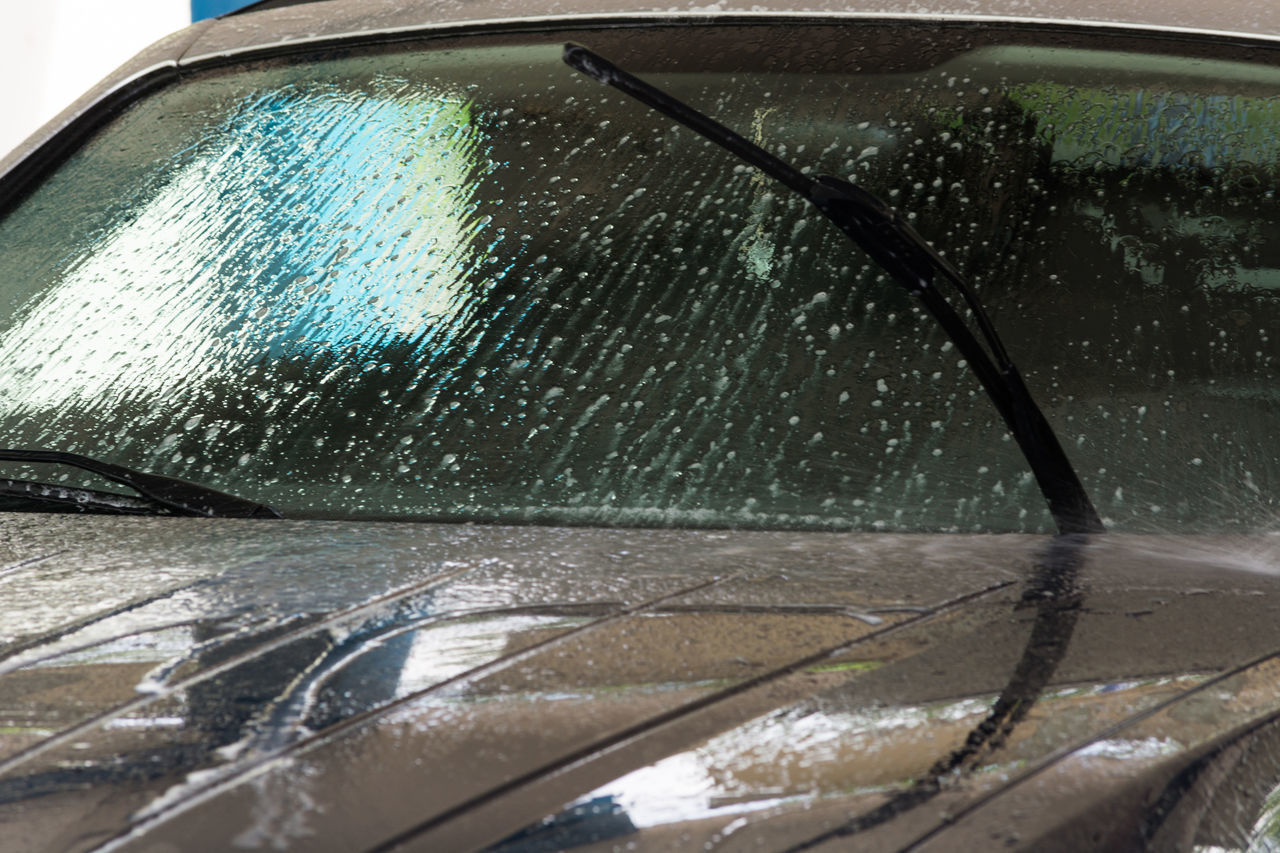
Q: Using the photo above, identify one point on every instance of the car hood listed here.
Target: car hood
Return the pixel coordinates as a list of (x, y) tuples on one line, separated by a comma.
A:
[(207, 684)]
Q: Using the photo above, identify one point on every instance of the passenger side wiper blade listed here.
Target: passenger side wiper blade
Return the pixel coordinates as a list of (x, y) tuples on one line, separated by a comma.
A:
[(901, 252), (179, 497)]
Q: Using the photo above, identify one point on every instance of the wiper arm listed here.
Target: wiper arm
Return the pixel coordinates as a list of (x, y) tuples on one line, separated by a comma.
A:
[(179, 497), (904, 254)]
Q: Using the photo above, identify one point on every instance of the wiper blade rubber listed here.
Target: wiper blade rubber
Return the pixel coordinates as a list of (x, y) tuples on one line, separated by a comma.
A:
[(177, 496), (894, 245), (50, 497)]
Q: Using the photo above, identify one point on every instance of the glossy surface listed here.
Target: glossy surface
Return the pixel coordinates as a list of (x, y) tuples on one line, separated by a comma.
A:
[(465, 283), (170, 684), (338, 685)]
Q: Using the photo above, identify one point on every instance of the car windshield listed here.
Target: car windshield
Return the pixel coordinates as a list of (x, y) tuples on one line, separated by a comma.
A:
[(457, 280)]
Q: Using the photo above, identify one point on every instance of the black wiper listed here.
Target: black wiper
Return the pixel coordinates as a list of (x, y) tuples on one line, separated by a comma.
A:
[(901, 252), (28, 496), (166, 495)]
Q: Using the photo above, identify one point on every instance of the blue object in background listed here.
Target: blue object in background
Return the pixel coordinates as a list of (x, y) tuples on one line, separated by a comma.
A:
[(201, 9)]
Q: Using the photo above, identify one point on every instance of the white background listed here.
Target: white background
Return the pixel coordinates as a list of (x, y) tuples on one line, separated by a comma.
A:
[(52, 51)]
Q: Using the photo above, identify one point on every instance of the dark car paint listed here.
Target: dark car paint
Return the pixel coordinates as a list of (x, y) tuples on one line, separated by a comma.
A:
[(671, 638), (668, 639)]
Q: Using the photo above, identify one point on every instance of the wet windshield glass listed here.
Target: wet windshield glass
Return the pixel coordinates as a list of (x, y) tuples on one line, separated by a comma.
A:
[(465, 283)]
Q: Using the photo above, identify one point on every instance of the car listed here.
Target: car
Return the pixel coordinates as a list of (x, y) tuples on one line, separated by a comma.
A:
[(847, 427)]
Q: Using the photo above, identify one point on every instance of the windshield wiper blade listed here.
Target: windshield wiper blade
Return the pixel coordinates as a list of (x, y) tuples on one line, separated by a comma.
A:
[(893, 244), (177, 496), (25, 495)]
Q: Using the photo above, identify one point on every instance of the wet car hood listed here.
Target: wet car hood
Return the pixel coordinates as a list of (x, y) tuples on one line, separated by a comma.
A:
[(197, 684)]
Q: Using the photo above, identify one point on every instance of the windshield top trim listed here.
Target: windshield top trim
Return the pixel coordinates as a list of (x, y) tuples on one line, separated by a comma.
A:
[(491, 26)]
